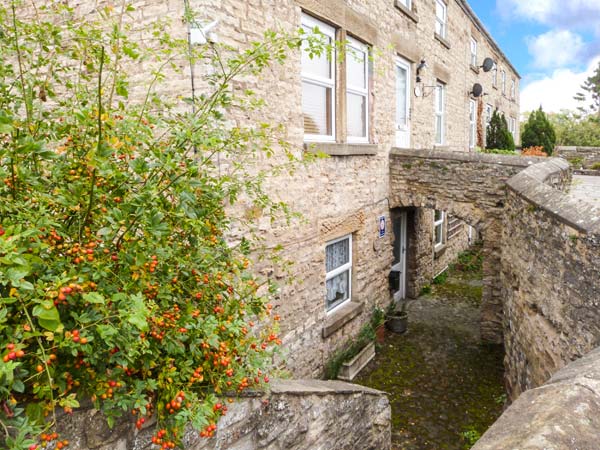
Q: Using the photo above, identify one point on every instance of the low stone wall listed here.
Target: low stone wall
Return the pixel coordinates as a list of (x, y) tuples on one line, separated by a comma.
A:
[(550, 276), (563, 414), (579, 157), (294, 415)]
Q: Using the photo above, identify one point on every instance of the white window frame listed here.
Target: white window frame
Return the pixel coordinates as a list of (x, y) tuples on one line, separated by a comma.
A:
[(406, 3), (513, 86), (503, 79), (339, 270), (358, 46), (438, 223), (472, 123), (404, 64), (495, 76), (513, 127), (473, 52), (440, 90), (328, 31), (441, 21)]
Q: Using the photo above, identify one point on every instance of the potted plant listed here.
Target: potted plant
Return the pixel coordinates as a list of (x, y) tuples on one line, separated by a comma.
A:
[(397, 319), (378, 323)]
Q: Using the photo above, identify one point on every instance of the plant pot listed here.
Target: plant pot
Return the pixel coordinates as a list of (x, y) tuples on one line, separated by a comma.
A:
[(380, 333), (397, 322), (351, 368)]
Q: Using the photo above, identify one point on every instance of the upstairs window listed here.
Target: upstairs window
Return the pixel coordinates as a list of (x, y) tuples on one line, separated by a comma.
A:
[(513, 89), (318, 85), (338, 265), (441, 16), (440, 99), (357, 90), (503, 79), (473, 52), (472, 126), (406, 3), (495, 76)]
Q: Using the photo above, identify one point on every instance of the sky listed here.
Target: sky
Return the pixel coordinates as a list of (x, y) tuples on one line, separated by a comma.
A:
[(553, 44)]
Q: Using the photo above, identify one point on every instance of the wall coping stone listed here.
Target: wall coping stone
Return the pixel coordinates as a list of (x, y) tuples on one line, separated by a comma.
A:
[(530, 184), (485, 158), (341, 149), (320, 387)]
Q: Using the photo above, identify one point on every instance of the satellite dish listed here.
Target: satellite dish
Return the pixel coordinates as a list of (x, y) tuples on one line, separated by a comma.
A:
[(488, 64), (477, 90)]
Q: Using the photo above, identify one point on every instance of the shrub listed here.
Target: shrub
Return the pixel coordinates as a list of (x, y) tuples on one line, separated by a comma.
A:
[(116, 282), (538, 131), (595, 166), (498, 136), (349, 351), (534, 151)]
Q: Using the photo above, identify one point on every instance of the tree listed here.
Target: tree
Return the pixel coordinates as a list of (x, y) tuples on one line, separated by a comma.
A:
[(498, 136), (591, 88), (538, 131), (574, 129)]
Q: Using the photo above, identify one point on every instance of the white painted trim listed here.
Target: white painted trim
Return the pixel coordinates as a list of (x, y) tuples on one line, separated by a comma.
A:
[(338, 270), (358, 46)]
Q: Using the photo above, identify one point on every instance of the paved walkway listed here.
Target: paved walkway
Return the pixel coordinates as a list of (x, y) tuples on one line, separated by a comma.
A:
[(586, 187)]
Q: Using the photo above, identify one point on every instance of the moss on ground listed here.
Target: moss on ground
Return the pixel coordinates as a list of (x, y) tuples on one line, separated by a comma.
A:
[(445, 388)]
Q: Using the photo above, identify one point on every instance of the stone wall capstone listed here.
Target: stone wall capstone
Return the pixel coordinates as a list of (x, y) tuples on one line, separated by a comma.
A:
[(294, 415), (580, 157)]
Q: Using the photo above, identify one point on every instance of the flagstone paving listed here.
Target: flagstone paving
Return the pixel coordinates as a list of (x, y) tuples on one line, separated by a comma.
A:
[(586, 187)]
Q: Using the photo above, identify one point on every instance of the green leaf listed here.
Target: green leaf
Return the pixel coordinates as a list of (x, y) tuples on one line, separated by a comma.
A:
[(18, 386), (138, 312), (94, 297), (47, 317)]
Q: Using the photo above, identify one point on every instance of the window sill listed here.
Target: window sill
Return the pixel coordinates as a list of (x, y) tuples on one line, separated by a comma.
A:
[(439, 250), (341, 317), (411, 15), (338, 149), (475, 69), (443, 41)]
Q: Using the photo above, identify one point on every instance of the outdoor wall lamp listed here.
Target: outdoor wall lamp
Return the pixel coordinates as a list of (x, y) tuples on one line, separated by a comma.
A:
[(422, 65)]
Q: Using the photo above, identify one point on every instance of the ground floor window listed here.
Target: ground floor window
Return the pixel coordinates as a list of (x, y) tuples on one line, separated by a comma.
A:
[(438, 229), (338, 264)]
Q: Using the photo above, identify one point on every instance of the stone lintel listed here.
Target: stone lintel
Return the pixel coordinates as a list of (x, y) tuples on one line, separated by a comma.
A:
[(341, 149), (341, 317)]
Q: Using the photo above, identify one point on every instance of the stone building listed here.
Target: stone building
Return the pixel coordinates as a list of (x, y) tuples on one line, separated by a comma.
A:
[(408, 80)]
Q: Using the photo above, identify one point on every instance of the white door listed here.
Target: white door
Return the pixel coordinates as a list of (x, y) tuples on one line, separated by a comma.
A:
[(400, 256), (402, 103)]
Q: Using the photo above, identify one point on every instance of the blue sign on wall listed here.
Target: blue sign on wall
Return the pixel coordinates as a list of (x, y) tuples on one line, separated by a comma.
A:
[(381, 226)]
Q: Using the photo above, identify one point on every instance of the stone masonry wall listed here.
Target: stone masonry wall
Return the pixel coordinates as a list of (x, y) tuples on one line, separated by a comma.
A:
[(295, 415), (563, 414), (550, 274), (579, 157), (470, 186)]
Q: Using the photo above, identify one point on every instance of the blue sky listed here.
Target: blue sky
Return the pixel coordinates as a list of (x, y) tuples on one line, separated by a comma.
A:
[(554, 44)]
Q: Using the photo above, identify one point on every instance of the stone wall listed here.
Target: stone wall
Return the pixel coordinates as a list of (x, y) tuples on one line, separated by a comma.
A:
[(472, 187), (563, 414), (295, 415), (579, 157), (550, 274)]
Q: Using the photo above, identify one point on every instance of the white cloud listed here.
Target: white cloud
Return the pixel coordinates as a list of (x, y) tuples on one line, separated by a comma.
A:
[(559, 13), (556, 48), (556, 91)]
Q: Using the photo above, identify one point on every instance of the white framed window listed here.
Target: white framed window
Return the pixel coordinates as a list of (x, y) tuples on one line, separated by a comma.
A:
[(495, 76), (503, 80), (402, 94), (473, 52), (489, 111), (406, 3), (438, 229), (357, 90), (318, 85), (513, 89), (441, 18), (472, 121), (440, 100), (512, 127), (338, 265)]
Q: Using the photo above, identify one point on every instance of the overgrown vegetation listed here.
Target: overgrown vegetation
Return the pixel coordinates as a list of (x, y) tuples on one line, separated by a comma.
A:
[(498, 151), (116, 282), (350, 350)]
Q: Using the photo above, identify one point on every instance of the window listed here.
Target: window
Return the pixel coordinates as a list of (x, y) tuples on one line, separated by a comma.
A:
[(473, 52), (402, 103), (439, 113), (513, 89), (438, 229), (406, 3), (512, 127), (318, 86), (338, 264), (441, 15), (495, 76), (472, 128), (489, 111), (503, 79), (357, 90)]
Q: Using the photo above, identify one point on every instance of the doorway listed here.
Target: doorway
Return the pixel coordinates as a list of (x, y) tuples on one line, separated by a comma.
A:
[(398, 271)]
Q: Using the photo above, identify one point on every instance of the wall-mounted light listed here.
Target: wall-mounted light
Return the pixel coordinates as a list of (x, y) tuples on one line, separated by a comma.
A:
[(421, 67)]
